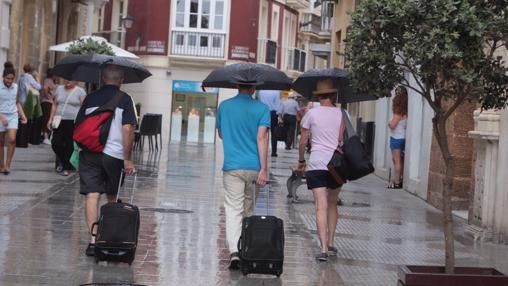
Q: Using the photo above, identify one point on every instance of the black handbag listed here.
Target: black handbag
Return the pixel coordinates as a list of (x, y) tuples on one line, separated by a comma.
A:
[(280, 132), (350, 162)]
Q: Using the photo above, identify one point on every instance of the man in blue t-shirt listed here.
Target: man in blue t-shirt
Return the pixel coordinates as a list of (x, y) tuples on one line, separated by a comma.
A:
[(243, 125)]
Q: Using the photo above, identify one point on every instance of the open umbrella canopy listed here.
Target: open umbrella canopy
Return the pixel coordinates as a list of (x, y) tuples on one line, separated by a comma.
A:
[(262, 76), (87, 68), (119, 52), (306, 84)]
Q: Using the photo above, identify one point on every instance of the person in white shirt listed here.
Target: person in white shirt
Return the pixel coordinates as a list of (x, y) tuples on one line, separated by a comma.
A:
[(288, 112)]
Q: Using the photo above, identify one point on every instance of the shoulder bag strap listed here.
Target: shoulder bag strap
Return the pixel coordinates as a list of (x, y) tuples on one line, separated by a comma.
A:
[(350, 130)]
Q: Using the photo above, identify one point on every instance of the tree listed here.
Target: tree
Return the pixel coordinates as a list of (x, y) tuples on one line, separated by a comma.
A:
[(89, 46), (450, 47)]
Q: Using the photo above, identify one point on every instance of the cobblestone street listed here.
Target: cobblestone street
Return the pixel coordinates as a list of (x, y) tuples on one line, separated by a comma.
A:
[(182, 238)]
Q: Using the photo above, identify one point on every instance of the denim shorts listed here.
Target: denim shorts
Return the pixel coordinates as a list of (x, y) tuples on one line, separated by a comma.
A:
[(320, 179), (397, 144), (12, 118)]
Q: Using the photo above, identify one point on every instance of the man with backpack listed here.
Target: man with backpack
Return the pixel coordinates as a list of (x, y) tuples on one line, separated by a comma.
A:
[(104, 153)]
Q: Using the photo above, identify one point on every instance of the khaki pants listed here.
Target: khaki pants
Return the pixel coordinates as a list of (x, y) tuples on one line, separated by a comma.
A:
[(238, 187)]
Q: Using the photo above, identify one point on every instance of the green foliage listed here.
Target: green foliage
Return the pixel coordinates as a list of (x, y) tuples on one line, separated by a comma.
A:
[(449, 46), (138, 108), (89, 46)]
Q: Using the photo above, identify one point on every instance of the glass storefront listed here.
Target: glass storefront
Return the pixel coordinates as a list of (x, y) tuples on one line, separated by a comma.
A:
[(193, 112)]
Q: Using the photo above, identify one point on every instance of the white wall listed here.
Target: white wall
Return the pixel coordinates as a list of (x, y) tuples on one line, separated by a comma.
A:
[(418, 142)]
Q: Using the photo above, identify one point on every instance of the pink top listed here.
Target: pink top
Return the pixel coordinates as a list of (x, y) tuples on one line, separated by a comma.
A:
[(324, 124)]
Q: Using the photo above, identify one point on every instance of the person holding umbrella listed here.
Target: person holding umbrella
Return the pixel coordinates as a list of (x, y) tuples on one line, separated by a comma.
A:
[(100, 172), (243, 125), (325, 123)]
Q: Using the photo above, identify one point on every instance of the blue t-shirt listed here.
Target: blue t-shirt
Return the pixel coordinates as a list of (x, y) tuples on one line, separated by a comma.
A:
[(239, 119)]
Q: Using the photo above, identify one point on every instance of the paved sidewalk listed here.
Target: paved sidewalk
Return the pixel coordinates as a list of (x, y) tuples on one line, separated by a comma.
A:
[(182, 238)]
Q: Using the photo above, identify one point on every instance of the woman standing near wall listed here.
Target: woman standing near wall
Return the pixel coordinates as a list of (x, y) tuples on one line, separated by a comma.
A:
[(10, 112), (397, 127)]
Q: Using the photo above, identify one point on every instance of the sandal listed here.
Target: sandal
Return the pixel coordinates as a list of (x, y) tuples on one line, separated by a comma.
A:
[(393, 185)]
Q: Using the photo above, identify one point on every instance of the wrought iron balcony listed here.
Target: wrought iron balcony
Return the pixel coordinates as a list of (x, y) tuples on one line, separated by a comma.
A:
[(296, 59), (267, 51), (317, 25), (198, 44)]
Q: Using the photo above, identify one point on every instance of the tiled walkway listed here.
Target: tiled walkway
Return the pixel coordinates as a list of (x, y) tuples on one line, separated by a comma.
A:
[(182, 236)]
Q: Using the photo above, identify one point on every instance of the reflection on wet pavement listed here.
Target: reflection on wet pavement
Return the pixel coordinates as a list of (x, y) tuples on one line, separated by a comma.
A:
[(182, 235)]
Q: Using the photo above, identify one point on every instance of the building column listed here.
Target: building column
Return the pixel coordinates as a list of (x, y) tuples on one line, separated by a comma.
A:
[(488, 213)]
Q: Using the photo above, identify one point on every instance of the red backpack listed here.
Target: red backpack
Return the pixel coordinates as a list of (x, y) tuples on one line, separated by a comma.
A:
[(91, 131)]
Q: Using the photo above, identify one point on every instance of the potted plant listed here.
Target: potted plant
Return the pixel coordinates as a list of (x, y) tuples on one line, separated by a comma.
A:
[(450, 48)]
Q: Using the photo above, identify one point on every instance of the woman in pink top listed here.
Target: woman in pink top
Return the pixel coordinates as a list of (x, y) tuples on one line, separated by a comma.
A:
[(325, 124)]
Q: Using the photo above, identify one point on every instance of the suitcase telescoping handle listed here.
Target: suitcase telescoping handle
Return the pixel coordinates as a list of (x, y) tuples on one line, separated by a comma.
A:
[(122, 176), (267, 186)]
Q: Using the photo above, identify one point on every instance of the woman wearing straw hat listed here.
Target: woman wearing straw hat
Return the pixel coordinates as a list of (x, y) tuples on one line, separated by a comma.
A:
[(325, 124)]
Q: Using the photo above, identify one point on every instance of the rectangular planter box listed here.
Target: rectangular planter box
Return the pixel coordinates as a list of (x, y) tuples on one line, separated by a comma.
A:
[(413, 275)]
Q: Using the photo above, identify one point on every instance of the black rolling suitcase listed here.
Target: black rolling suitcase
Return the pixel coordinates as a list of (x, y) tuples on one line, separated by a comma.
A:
[(261, 245), (117, 231)]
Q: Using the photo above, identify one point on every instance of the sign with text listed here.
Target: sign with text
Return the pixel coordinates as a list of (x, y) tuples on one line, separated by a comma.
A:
[(192, 86)]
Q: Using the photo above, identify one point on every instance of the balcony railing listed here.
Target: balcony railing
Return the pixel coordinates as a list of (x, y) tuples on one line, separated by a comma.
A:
[(311, 23), (296, 59), (315, 24), (267, 51), (298, 4), (198, 44)]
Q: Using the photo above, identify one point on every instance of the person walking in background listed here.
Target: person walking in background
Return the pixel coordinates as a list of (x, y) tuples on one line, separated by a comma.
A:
[(243, 125), (68, 99), (397, 127), (28, 82), (47, 93), (288, 112), (101, 172), (10, 112), (325, 123), (272, 99)]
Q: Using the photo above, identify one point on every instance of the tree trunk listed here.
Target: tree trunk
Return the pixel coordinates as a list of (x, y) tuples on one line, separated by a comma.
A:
[(449, 161)]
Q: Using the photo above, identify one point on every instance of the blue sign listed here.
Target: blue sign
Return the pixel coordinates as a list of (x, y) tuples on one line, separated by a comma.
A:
[(192, 86)]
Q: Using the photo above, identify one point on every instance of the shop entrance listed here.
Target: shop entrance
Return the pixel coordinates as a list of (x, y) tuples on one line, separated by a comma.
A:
[(193, 112)]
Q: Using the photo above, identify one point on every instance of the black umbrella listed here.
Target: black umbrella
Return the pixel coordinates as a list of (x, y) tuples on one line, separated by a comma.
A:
[(306, 84), (87, 68), (263, 76)]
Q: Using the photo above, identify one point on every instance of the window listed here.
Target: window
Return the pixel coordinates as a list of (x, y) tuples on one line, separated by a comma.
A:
[(216, 42), (120, 15), (180, 13), (219, 15), (203, 42), (199, 14), (192, 40), (179, 40)]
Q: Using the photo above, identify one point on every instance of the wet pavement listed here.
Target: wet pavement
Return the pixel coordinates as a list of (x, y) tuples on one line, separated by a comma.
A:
[(182, 237)]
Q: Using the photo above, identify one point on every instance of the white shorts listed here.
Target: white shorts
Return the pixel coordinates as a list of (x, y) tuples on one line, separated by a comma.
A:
[(12, 118)]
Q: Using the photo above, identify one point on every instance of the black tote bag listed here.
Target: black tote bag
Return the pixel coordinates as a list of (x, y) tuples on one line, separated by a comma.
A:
[(352, 161)]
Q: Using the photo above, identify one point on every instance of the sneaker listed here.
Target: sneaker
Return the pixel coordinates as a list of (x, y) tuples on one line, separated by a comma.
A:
[(234, 261), (323, 256), (90, 250), (332, 251), (274, 154), (46, 141)]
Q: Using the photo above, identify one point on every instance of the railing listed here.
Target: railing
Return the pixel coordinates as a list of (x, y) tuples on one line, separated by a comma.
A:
[(199, 44), (267, 51), (296, 59), (311, 23)]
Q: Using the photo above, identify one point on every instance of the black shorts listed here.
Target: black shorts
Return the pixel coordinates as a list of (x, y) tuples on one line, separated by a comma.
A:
[(320, 179), (99, 173)]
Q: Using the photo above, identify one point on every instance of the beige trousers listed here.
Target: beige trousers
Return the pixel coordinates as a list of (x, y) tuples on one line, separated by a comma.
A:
[(238, 202)]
